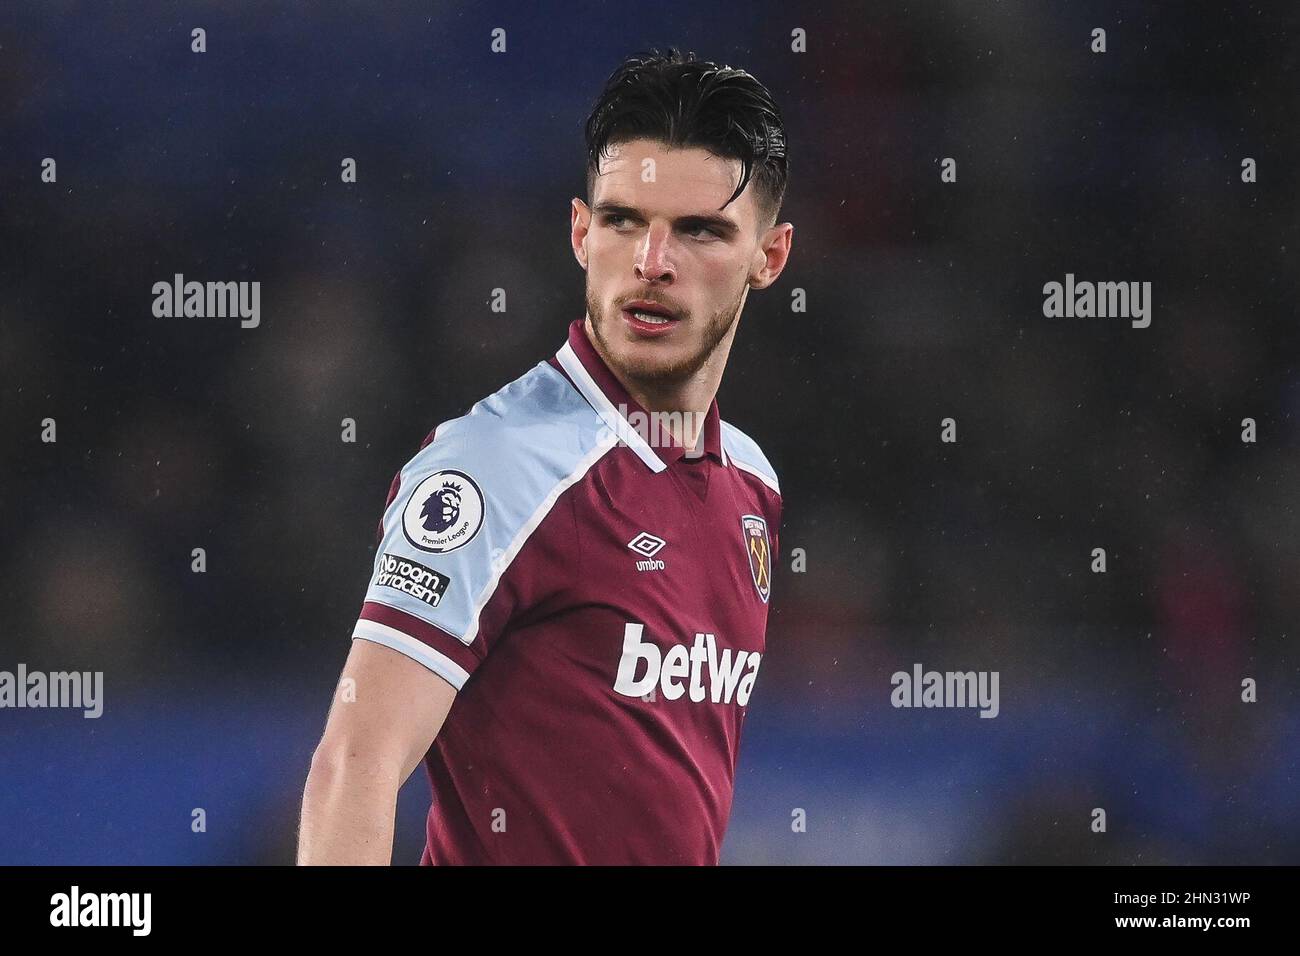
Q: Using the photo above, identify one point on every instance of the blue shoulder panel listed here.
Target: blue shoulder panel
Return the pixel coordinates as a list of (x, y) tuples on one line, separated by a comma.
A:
[(746, 455), (468, 501)]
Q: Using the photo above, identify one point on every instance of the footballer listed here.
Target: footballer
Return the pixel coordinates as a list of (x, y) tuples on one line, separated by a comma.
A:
[(567, 612)]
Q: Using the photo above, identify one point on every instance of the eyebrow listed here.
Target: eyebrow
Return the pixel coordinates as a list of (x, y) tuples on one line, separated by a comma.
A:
[(721, 223)]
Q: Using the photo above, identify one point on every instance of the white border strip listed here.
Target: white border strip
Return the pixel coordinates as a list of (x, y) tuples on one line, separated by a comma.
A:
[(499, 566), (765, 479), (598, 400), (422, 653)]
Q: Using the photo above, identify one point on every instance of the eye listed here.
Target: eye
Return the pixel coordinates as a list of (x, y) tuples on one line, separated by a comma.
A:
[(691, 230), (610, 217)]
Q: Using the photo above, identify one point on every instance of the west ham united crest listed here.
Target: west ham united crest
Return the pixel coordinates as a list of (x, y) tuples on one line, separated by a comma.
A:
[(444, 512), (753, 531)]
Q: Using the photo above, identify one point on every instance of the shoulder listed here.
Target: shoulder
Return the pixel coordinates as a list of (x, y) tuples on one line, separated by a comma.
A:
[(514, 447), (746, 455), (519, 418), (464, 508)]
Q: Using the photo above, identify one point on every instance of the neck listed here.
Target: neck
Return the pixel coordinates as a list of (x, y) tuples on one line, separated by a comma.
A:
[(691, 396)]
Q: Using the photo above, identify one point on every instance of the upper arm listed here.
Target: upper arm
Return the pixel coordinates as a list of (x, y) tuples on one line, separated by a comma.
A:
[(387, 710)]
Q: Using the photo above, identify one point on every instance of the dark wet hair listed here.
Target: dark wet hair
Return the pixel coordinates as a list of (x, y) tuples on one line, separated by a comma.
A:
[(680, 101)]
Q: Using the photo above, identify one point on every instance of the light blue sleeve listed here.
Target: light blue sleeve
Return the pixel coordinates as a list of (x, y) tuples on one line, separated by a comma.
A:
[(465, 507)]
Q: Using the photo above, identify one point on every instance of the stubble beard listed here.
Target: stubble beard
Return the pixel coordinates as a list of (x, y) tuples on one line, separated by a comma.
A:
[(655, 376)]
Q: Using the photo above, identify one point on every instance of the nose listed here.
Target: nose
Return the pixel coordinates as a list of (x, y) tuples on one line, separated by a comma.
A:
[(652, 264)]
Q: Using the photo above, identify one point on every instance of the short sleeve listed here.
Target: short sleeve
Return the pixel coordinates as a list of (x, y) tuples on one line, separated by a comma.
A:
[(435, 564), (456, 556)]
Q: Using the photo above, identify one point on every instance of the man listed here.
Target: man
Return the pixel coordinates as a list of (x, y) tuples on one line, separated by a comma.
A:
[(568, 609)]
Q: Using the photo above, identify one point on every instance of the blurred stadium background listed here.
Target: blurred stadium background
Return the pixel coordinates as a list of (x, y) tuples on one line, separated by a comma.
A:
[(1118, 690)]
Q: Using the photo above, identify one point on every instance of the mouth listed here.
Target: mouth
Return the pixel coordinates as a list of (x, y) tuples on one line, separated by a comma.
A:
[(649, 319)]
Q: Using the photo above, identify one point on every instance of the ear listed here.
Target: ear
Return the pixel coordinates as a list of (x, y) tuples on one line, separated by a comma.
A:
[(579, 224), (771, 256)]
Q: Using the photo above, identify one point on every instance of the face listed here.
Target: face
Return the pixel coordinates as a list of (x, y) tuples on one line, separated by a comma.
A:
[(656, 237)]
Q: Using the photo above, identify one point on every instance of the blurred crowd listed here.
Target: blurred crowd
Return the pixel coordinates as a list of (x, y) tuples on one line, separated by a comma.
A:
[(1120, 690)]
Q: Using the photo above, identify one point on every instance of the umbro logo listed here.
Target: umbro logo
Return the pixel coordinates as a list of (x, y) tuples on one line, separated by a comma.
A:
[(647, 545)]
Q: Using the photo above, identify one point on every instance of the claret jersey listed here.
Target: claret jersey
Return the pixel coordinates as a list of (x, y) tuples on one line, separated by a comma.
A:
[(598, 597)]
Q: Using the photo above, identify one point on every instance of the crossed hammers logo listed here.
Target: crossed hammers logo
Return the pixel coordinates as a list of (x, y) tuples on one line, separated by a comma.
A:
[(758, 548)]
